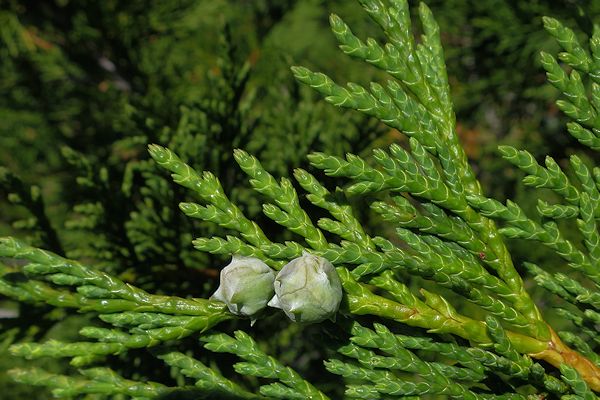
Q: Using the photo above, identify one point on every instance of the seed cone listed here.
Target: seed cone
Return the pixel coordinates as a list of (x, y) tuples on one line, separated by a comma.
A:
[(308, 289), (246, 285)]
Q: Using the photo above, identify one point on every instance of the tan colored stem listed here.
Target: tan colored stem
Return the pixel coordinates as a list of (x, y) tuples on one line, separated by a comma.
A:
[(559, 353), (361, 301)]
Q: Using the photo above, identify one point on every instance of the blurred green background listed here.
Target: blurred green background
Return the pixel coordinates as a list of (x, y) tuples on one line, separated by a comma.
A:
[(86, 85)]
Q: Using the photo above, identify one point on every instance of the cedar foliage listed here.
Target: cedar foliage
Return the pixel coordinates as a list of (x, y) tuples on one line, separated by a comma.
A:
[(433, 226)]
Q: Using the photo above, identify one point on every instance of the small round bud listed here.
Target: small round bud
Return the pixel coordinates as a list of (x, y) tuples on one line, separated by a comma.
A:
[(308, 289), (245, 285)]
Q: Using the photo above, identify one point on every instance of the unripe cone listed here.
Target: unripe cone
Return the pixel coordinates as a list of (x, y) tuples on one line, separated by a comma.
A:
[(308, 289), (246, 285)]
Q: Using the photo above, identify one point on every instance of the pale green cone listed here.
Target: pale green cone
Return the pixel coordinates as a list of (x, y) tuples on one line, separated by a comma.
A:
[(308, 289), (246, 285)]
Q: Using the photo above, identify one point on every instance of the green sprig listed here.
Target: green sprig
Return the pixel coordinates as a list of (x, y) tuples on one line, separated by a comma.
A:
[(206, 378), (257, 363)]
